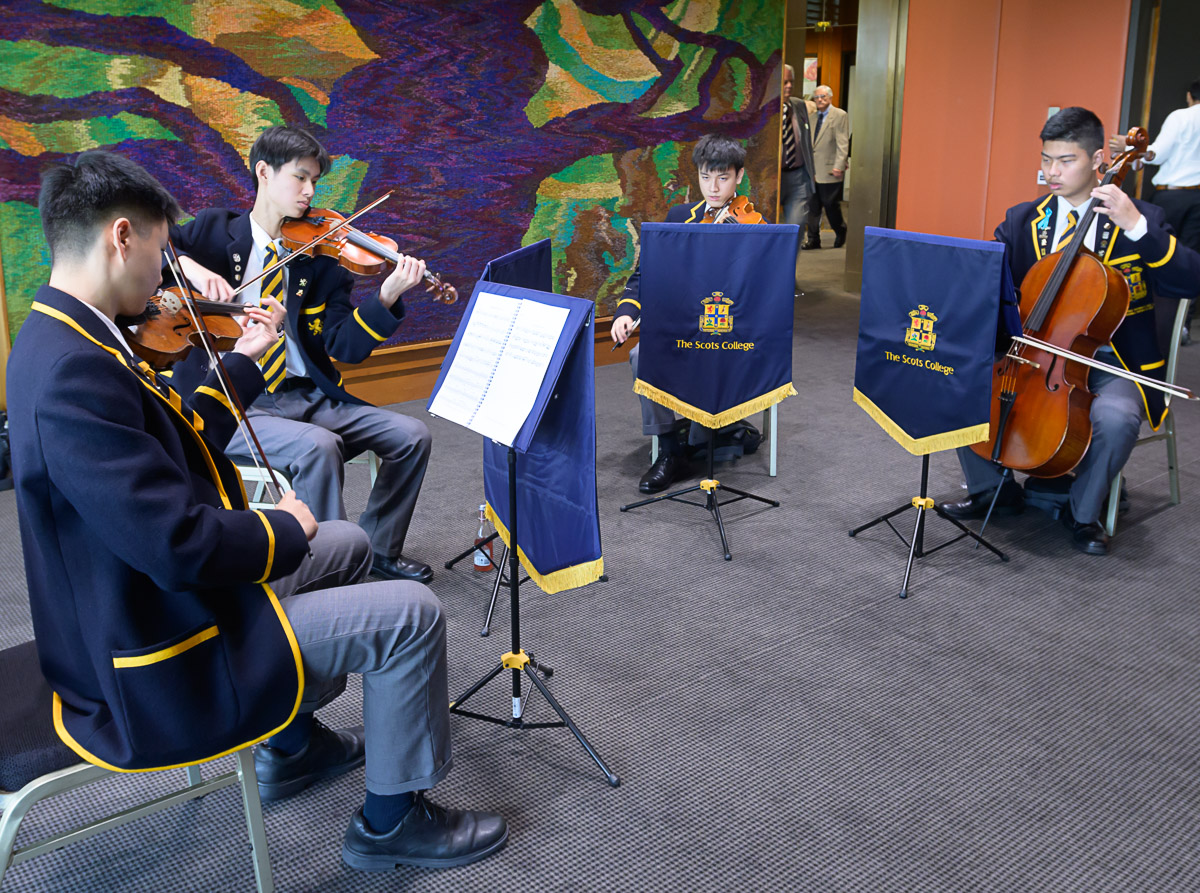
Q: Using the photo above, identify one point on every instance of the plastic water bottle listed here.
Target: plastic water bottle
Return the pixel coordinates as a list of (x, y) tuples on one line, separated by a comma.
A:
[(482, 556)]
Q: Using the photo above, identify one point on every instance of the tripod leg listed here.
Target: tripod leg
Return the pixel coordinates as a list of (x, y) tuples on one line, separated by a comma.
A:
[(1005, 475), (462, 699), (487, 621), (612, 779), (714, 507), (745, 495), (857, 530), (457, 558), (653, 499), (912, 550)]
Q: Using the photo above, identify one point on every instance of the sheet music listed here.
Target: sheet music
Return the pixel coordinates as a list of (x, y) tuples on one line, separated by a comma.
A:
[(518, 376), (499, 366), (478, 353)]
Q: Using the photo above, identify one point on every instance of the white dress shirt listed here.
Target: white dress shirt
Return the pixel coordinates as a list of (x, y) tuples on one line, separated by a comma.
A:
[(1177, 149)]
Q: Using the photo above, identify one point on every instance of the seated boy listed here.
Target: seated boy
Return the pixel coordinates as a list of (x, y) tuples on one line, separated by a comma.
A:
[(308, 424), (148, 577), (720, 163), (1131, 236)]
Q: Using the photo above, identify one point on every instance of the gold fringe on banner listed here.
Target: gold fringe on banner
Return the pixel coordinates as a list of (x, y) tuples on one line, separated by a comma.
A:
[(721, 419), (556, 581), (922, 445)]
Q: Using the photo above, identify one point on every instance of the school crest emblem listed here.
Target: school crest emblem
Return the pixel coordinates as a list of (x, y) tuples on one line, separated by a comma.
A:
[(314, 326), (920, 334), (717, 319)]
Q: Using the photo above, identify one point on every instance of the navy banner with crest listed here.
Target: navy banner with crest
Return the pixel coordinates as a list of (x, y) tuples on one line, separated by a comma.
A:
[(717, 307), (927, 336), (558, 535)]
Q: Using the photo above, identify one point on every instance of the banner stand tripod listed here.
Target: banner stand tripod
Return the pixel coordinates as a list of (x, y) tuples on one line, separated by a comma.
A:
[(710, 486), (517, 660), (916, 546)]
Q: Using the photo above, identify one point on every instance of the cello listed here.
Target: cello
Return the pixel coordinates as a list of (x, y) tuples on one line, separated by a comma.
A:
[(1071, 302)]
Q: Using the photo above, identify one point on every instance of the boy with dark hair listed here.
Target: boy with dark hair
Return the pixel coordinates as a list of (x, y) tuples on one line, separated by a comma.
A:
[(720, 165), (306, 421), (1133, 238), (148, 577)]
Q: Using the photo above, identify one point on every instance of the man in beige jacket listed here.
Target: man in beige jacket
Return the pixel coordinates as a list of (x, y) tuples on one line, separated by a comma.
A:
[(831, 149)]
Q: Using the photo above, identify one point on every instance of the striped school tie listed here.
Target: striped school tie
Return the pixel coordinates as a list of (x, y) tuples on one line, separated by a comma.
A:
[(274, 361), (1065, 238), (789, 139)]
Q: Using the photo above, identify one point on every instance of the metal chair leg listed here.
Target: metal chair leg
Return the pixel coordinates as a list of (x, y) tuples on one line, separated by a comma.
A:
[(254, 821)]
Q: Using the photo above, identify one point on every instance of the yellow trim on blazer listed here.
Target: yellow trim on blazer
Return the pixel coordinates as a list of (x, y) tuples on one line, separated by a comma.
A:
[(219, 397), (162, 654), (1169, 255), (1033, 227), (370, 331), (270, 546), (316, 309)]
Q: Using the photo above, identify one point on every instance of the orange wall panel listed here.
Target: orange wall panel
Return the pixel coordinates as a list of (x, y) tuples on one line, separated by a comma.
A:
[(978, 80)]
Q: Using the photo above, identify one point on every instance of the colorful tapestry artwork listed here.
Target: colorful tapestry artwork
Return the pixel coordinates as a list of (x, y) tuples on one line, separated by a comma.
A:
[(496, 122)]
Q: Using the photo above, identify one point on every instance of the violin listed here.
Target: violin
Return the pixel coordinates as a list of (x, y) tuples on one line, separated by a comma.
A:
[(167, 330), (359, 252), (1073, 303), (738, 209)]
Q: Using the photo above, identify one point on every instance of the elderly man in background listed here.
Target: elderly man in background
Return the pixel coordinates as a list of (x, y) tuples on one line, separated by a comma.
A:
[(831, 149)]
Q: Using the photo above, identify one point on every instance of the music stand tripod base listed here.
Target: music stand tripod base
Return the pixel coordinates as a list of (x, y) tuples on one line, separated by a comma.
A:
[(516, 660), (923, 504), (710, 487)]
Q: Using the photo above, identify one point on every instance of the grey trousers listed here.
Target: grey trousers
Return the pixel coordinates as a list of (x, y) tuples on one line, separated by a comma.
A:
[(310, 436), (394, 634), (1116, 420), (656, 418), (795, 189)]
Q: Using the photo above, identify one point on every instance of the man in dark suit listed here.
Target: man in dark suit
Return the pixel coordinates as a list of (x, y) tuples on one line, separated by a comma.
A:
[(156, 626), (831, 152), (306, 420), (720, 165), (1133, 238), (796, 178)]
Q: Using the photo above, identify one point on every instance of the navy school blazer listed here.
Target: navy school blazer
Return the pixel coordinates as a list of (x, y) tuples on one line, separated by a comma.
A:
[(327, 325), (147, 576), (1154, 264)]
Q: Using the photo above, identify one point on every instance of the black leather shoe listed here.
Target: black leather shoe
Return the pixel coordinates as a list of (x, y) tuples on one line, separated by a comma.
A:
[(667, 468), (1011, 502), (328, 753), (1091, 539), (429, 836), (839, 241), (401, 568), (810, 244)]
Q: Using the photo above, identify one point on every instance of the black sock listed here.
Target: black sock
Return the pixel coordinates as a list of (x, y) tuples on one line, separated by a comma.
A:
[(669, 444), (383, 812), (294, 737)]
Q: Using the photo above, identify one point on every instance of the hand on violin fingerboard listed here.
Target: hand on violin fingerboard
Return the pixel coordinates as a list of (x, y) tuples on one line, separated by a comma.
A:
[(1113, 201), (211, 285), (409, 271), (262, 327)]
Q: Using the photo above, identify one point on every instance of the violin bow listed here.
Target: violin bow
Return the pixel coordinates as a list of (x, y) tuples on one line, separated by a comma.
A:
[(227, 387), (283, 261)]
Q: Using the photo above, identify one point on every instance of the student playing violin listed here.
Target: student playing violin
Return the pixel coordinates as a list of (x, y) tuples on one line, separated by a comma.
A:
[(720, 164), (172, 623), (1132, 237), (308, 424)]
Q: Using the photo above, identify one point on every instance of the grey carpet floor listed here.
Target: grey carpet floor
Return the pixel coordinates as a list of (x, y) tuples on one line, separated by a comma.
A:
[(781, 721)]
